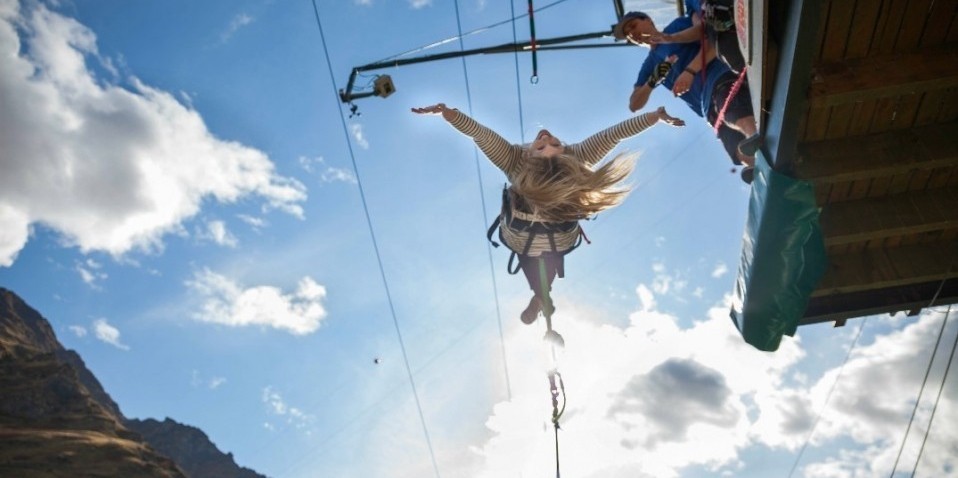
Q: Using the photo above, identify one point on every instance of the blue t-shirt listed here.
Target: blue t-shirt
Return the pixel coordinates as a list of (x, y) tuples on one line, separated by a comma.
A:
[(692, 6), (699, 96)]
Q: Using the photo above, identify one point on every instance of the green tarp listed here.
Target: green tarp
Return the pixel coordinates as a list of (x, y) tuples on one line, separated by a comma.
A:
[(783, 258)]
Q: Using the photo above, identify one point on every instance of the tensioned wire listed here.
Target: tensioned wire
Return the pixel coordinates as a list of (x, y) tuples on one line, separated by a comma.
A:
[(461, 35), (828, 396), (944, 378), (921, 392), (485, 215), (372, 235)]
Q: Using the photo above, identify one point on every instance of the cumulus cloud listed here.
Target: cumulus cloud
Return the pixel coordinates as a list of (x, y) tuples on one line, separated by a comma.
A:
[(78, 330), (327, 174), (276, 406), (108, 333), (654, 399), (720, 270), (90, 273), (666, 282), (217, 232), (128, 164), (226, 302), (239, 21), (417, 4), (254, 222), (359, 135), (211, 383)]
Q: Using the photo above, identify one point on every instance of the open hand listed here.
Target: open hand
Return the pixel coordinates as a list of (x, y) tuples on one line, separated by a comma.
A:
[(437, 109), (659, 38), (682, 83), (667, 119)]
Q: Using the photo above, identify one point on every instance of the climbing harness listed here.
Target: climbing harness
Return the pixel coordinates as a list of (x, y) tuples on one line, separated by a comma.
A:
[(526, 234), (532, 44), (719, 15)]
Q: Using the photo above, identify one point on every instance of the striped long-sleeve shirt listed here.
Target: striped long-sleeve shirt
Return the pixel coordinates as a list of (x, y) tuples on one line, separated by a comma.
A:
[(509, 158)]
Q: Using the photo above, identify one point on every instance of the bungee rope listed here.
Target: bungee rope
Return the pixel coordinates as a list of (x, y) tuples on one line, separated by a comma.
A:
[(555, 386), (532, 43), (734, 91), (556, 411)]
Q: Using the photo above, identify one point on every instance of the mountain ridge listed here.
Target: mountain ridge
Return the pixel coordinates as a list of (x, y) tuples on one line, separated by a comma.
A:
[(56, 417)]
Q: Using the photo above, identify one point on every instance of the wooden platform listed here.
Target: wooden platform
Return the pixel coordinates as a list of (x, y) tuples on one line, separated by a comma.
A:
[(876, 131)]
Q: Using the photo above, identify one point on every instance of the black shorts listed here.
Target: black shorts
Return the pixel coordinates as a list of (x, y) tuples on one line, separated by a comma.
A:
[(741, 104)]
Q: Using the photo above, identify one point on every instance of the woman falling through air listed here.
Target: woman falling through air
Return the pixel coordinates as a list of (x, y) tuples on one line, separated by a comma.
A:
[(553, 186)]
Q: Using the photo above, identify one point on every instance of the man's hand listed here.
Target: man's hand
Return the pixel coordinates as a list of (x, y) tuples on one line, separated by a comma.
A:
[(683, 83), (661, 71), (659, 38)]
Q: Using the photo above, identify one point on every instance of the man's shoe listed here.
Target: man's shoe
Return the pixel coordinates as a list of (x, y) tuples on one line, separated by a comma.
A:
[(750, 145), (748, 174)]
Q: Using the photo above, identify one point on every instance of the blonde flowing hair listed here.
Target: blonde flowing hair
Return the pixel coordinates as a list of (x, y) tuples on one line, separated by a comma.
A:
[(563, 188)]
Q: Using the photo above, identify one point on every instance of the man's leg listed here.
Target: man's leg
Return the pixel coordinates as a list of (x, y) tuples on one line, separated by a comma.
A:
[(739, 115)]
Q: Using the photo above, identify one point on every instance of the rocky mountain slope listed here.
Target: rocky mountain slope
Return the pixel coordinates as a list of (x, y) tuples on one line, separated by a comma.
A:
[(57, 420)]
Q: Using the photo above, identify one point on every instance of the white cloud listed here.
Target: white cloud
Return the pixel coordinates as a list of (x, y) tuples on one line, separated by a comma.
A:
[(198, 380), (720, 270), (254, 222), (90, 273), (417, 4), (108, 333), (363, 2), (78, 330), (665, 282), (129, 165), (328, 174), (239, 21), (227, 303), (654, 399), (332, 174), (358, 135), (276, 406), (217, 232)]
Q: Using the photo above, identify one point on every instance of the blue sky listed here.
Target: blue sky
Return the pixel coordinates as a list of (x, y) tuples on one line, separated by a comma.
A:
[(179, 200)]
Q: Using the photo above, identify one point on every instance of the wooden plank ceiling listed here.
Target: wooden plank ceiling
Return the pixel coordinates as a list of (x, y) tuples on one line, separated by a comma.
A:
[(880, 143)]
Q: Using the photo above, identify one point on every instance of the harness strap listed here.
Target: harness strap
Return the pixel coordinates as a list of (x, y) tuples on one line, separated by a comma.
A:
[(492, 230)]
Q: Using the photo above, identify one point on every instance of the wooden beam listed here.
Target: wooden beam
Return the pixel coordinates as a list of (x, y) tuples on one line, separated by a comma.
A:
[(880, 301), (898, 215), (849, 81), (883, 268), (788, 102), (878, 155)]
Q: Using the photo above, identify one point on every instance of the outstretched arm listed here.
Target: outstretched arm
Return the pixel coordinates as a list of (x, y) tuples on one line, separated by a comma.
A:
[(504, 155), (595, 147), (691, 34)]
